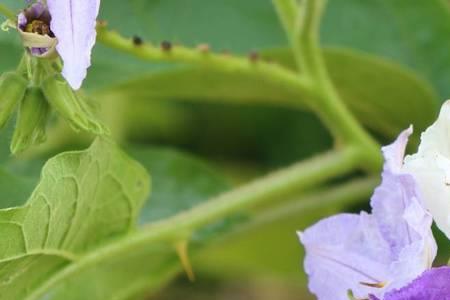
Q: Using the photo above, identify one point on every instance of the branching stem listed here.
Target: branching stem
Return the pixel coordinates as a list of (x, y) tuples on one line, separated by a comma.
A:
[(318, 94)]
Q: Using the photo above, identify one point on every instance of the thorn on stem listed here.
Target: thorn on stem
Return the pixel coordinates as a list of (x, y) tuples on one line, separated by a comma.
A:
[(254, 56), (182, 250), (166, 45), (204, 48), (102, 23), (137, 40)]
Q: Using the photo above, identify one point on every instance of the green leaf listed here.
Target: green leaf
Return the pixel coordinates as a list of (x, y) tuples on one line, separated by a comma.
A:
[(384, 96), (82, 200), (180, 182), (411, 32)]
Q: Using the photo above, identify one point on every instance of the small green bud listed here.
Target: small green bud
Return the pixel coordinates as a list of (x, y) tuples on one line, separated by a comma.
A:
[(31, 121), (12, 90), (70, 106)]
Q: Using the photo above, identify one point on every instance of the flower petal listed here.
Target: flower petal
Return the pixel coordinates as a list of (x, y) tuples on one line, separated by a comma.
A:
[(391, 247), (341, 252), (431, 168), (401, 217), (431, 285), (73, 23)]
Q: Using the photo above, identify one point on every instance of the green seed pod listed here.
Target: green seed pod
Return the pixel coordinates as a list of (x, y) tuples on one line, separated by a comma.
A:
[(64, 100), (12, 90), (31, 120)]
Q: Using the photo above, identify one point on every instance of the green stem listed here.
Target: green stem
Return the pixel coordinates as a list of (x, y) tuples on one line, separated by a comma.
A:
[(343, 195), (8, 13), (320, 96), (288, 13), (270, 188), (329, 104), (220, 62)]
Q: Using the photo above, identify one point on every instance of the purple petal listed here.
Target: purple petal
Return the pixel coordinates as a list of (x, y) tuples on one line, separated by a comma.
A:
[(34, 12), (395, 152), (341, 252), (402, 220), (391, 247), (73, 23), (431, 285)]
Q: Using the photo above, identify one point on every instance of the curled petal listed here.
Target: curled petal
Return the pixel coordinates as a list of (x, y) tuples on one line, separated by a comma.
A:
[(73, 23)]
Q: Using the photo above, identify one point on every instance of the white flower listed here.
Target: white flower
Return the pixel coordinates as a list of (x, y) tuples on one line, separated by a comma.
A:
[(431, 168)]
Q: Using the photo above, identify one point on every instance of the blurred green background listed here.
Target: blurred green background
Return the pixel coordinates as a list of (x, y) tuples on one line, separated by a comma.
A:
[(390, 60)]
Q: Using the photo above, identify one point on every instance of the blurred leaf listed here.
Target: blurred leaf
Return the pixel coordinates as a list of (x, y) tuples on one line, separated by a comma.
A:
[(384, 96), (14, 189), (69, 212), (180, 182), (410, 32)]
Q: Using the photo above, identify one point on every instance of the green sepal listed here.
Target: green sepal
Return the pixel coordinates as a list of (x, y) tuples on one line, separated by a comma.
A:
[(34, 111), (71, 106), (350, 295), (12, 91)]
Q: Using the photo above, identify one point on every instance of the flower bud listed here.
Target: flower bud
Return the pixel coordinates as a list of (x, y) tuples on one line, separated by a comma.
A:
[(31, 120), (64, 100), (12, 90)]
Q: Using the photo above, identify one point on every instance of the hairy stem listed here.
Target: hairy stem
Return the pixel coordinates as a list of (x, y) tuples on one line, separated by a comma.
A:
[(319, 96), (270, 188), (220, 62)]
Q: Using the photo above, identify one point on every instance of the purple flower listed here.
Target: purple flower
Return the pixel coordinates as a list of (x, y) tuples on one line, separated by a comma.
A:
[(433, 284), (68, 25), (34, 26), (371, 254)]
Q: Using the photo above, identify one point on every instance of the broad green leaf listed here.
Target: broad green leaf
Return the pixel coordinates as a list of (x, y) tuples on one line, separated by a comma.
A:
[(83, 200), (411, 32), (179, 182), (384, 96)]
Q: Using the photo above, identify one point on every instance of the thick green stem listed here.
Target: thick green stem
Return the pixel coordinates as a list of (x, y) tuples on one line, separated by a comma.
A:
[(319, 96), (304, 39), (220, 62), (287, 11), (271, 188)]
